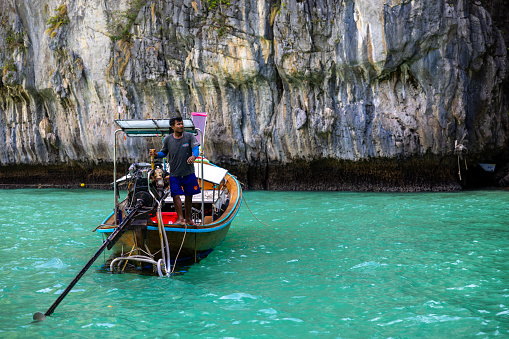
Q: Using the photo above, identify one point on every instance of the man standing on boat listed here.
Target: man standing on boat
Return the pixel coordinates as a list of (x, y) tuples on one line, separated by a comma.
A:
[(182, 149)]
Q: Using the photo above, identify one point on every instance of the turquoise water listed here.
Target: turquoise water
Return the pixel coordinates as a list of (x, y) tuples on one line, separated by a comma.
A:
[(324, 264)]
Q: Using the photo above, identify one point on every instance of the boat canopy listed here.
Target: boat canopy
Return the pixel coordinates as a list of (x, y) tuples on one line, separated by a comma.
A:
[(151, 127)]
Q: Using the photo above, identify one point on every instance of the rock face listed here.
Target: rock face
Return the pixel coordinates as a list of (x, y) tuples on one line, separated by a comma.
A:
[(366, 94)]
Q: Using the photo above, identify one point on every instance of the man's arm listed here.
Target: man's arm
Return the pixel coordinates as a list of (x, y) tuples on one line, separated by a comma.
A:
[(160, 154), (196, 151), (163, 152)]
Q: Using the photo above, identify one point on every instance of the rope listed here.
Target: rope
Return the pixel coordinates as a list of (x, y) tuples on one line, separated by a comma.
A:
[(459, 167), (460, 150), (132, 250), (178, 253), (261, 222), (245, 200), (165, 247)]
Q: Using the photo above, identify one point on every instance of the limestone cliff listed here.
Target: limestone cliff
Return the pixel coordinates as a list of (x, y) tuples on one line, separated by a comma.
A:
[(302, 94)]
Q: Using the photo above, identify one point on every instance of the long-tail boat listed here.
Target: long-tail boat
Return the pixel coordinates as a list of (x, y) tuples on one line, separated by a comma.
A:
[(151, 241)]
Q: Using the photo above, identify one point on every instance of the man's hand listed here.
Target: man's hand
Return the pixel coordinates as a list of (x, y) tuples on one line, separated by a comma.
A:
[(152, 153), (191, 159)]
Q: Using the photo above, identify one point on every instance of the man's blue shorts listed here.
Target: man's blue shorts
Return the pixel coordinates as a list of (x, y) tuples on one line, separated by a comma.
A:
[(187, 185)]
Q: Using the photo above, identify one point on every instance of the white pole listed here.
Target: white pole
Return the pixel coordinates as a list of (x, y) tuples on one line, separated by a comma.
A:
[(115, 174), (202, 183)]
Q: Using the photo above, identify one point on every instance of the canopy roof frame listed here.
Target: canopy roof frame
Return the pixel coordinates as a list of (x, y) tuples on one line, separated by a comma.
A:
[(151, 127)]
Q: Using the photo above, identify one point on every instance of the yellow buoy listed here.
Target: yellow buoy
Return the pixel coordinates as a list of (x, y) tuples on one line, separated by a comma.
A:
[(82, 184)]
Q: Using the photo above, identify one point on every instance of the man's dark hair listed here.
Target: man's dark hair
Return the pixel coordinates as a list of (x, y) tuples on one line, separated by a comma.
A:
[(174, 119)]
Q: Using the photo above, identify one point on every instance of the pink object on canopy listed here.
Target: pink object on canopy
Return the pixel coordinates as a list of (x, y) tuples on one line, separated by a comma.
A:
[(200, 121)]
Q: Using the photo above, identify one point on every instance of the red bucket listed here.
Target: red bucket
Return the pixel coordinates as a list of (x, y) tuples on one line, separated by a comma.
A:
[(168, 217)]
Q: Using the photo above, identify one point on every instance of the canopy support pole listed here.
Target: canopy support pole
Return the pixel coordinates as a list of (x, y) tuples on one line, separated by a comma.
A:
[(117, 221), (202, 178)]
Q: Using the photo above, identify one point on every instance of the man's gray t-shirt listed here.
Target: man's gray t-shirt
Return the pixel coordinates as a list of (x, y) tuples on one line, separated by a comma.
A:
[(179, 150)]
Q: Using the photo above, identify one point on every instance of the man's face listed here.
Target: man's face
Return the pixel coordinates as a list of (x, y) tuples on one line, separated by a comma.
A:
[(179, 126)]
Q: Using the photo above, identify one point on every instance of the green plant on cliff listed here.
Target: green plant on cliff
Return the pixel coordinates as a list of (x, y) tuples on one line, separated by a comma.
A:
[(283, 5), (218, 18), (55, 22), (213, 4), (121, 22), (9, 67), (219, 26), (14, 40), (276, 10)]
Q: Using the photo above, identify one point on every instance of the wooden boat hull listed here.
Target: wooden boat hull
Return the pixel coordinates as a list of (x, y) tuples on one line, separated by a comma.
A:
[(195, 245)]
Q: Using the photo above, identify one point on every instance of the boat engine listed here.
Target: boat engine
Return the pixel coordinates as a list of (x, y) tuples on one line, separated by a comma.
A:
[(144, 181)]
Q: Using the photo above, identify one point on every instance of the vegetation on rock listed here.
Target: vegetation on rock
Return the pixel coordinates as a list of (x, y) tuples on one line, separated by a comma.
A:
[(213, 4), (121, 22), (9, 67), (219, 18), (55, 22)]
